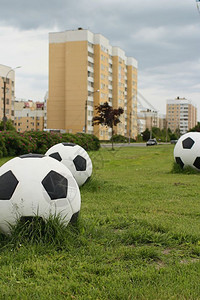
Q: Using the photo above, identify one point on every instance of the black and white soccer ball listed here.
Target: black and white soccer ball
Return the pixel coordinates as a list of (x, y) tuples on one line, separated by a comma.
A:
[(187, 150), (75, 158), (37, 185)]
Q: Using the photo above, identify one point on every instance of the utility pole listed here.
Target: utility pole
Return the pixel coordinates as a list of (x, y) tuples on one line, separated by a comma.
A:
[(4, 104), (85, 117), (130, 127)]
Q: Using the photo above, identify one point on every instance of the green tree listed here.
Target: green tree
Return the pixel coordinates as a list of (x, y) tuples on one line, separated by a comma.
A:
[(9, 126), (146, 135), (196, 128)]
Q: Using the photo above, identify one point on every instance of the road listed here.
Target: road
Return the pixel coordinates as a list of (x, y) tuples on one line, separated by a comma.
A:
[(124, 145), (128, 145)]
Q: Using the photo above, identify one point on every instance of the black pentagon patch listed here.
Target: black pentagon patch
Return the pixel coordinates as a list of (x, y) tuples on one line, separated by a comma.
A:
[(197, 163), (74, 218), (69, 144), (56, 155), (8, 184), (32, 155), (179, 161), (80, 163), (55, 185), (188, 143)]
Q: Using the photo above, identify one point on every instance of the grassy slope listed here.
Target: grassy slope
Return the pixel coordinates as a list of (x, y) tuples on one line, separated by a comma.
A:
[(138, 236)]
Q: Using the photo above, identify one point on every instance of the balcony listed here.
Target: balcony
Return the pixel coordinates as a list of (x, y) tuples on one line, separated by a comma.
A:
[(90, 79), (90, 89), (91, 59), (90, 49), (90, 69), (90, 105)]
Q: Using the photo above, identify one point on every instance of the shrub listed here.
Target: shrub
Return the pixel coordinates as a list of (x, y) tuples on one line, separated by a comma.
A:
[(87, 141), (118, 138), (3, 150), (13, 143), (43, 140)]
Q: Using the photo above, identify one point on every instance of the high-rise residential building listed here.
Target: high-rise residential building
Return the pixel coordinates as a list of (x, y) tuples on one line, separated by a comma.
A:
[(85, 71), (28, 115), (7, 78), (181, 115)]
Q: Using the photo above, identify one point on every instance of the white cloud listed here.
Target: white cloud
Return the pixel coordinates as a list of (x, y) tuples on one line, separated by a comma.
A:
[(28, 49)]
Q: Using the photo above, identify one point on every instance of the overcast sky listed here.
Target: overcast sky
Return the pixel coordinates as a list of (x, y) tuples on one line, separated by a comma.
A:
[(164, 37)]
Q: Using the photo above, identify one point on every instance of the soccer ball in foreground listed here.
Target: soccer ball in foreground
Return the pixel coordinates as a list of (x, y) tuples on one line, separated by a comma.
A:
[(187, 150), (36, 185), (75, 158)]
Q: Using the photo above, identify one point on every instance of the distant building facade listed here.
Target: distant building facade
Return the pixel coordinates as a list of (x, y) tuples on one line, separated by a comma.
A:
[(148, 119), (85, 71), (45, 110), (181, 115), (28, 115), (7, 74)]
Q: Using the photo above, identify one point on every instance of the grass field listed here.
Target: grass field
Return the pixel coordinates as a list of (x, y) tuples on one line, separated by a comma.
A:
[(138, 236)]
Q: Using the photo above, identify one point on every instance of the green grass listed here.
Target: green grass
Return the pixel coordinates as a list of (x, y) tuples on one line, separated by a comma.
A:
[(138, 236), (186, 170)]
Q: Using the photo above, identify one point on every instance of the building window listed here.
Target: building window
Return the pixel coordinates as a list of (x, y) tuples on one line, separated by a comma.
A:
[(90, 45), (102, 67), (90, 54), (90, 64)]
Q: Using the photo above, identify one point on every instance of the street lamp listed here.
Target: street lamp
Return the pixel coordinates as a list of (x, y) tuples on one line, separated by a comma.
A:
[(130, 127), (4, 97), (86, 104)]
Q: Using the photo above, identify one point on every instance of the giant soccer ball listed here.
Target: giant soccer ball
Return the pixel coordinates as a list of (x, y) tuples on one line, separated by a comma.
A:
[(37, 185), (75, 158), (187, 150)]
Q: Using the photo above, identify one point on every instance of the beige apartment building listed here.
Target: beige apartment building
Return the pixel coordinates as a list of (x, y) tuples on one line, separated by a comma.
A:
[(28, 115), (85, 71), (7, 75), (181, 115), (149, 118)]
